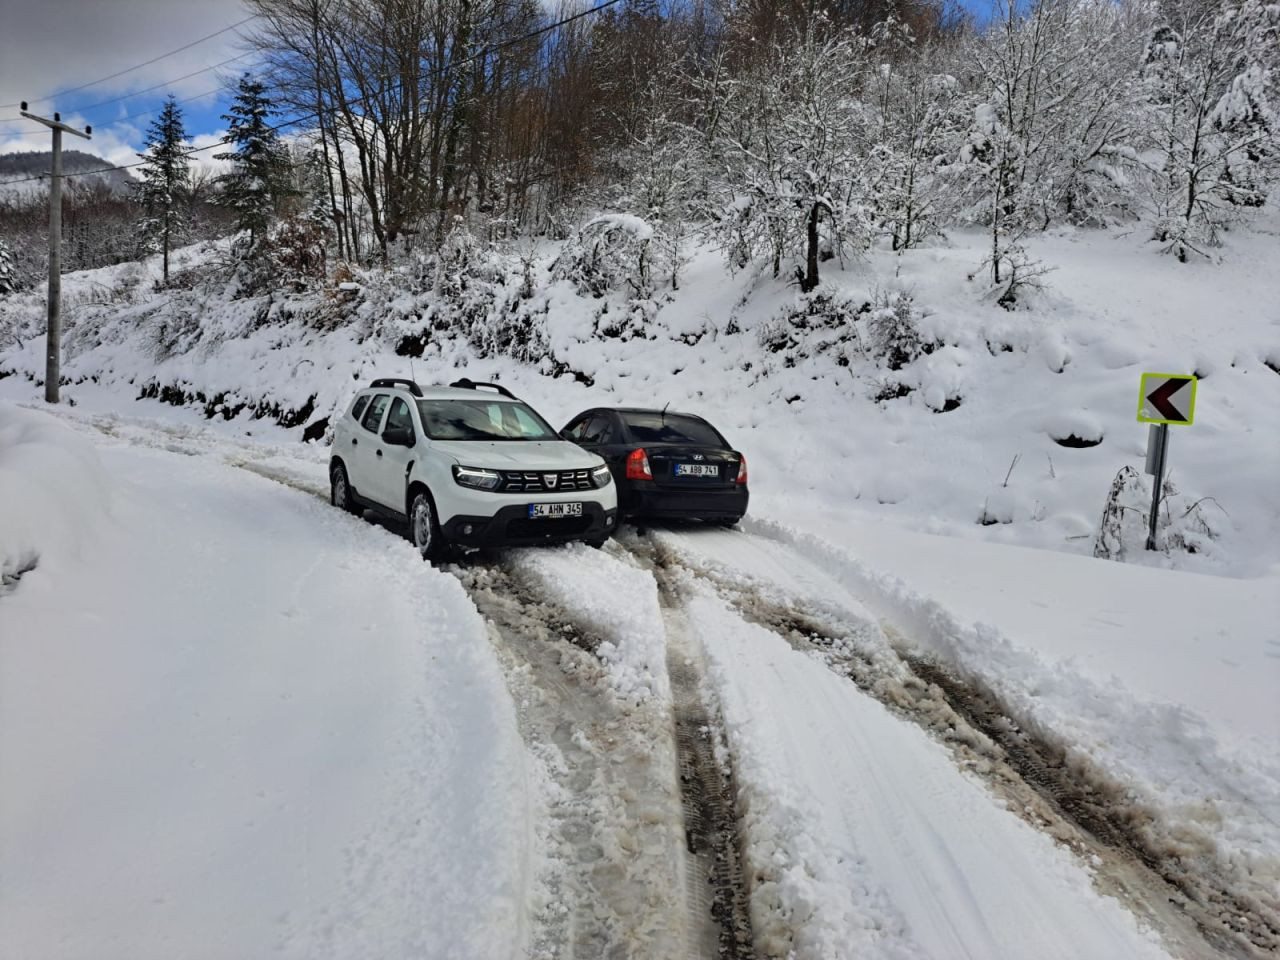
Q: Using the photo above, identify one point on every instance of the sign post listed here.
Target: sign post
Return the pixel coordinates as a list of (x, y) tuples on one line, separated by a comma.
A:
[(1163, 398)]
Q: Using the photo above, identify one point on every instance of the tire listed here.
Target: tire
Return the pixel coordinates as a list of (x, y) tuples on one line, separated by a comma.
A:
[(729, 521), (595, 544), (424, 530), (340, 490)]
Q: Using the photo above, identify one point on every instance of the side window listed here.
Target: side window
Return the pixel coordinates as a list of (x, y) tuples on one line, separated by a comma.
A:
[(400, 418), (576, 429), (358, 408), (373, 416), (598, 430)]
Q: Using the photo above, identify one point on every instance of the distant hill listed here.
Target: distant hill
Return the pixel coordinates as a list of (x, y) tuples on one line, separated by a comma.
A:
[(34, 163)]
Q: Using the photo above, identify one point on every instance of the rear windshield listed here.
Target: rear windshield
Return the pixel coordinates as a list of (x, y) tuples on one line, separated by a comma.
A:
[(671, 428), (482, 420)]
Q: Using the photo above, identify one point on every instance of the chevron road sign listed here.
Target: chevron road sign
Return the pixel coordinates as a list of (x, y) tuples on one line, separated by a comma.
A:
[(1167, 398)]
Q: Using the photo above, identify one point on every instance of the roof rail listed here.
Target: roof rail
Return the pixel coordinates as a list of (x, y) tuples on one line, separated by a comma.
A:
[(466, 384), (398, 382)]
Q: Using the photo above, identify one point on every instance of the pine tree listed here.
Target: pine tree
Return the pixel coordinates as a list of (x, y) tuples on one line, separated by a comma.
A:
[(259, 178), (8, 271), (165, 184)]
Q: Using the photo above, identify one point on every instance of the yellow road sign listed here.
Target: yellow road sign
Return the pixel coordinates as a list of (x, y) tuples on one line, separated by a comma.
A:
[(1167, 398)]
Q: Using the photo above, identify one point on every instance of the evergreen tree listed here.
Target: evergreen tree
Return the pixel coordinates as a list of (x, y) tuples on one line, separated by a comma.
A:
[(165, 184), (8, 271), (259, 177)]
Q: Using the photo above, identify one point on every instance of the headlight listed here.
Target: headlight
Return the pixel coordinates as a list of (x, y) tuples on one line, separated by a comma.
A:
[(477, 478), (600, 476)]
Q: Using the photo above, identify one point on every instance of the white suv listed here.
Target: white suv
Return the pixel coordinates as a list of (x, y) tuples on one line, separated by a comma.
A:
[(467, 464)]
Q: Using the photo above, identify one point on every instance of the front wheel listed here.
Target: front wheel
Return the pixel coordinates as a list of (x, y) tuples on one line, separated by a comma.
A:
[(423, 528), (340, 489)]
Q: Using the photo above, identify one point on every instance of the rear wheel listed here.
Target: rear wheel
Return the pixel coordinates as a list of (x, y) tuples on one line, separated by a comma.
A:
[(423, 528), (340, 489), (729, 521)]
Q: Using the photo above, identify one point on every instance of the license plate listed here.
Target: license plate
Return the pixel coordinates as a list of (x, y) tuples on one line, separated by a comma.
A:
[(697, 470), (539, 511)]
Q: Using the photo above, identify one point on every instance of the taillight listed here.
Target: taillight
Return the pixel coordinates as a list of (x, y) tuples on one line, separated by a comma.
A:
[(638, 466), (742, 469)]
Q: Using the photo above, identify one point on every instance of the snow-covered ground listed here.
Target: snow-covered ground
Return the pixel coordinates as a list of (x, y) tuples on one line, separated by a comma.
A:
[(235, 722)]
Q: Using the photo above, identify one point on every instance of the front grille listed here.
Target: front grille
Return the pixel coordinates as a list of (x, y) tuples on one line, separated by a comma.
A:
[(514, 481)]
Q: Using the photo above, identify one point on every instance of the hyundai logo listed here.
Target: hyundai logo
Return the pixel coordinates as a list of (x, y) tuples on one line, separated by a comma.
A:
[(550, 480)]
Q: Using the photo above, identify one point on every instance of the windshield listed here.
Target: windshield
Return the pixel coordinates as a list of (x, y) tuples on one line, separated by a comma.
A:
[(482, 420), (671, 428)]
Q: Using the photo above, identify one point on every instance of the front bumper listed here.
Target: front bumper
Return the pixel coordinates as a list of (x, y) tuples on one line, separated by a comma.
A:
[(512, 527), (646, 499)]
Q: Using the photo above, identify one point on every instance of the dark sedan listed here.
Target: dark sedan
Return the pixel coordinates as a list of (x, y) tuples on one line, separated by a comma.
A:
[(667, 465)]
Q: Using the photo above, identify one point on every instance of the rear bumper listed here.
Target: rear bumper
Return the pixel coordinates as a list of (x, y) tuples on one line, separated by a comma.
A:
[(649, 500), (512, 527)]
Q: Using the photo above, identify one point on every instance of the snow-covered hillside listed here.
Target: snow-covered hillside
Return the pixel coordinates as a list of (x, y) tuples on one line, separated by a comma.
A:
[(1007, 426)]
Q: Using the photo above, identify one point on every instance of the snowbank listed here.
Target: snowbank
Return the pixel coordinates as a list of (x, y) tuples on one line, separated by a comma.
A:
[(1213, 776), (247, 724), (53, 494)]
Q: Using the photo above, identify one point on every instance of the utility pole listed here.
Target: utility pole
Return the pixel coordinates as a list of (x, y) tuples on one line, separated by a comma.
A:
[(53, 336)]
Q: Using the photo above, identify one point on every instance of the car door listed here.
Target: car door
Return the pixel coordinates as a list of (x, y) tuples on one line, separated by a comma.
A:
[(392, 460), (602, 434), (364, 442)]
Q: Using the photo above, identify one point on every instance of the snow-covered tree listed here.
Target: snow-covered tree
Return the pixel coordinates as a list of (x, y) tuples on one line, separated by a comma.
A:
[(165, 186), (8, 269), (919, 121), (1211, 75), (787, 138), (260, 174)]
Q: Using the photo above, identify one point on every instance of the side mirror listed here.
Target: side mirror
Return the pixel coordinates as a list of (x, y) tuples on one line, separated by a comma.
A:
[(398, 436)]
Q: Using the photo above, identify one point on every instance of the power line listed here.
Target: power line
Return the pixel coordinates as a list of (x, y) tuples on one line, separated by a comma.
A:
[(315, 114), (158, 86), (137, 66), (127, 118)]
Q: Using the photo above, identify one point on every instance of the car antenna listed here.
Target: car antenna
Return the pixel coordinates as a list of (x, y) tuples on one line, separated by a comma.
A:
[(664, 411)]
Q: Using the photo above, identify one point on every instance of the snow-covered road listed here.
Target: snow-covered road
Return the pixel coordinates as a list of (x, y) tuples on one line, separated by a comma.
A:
[(243, 721)]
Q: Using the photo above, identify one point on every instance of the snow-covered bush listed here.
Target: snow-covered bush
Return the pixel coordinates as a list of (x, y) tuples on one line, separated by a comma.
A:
[(612, 252), (296, 250), (467, 290), (822, 324), (1184, 525), (893, 335)]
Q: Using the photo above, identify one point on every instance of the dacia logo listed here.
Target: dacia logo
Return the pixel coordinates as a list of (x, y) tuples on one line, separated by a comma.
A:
[(550, 480)]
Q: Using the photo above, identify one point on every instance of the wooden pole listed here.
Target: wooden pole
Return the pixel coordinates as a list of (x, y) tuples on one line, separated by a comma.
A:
[(53, 330)]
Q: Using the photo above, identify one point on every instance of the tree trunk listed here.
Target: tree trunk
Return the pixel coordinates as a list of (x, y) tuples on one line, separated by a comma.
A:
[(810, 280)]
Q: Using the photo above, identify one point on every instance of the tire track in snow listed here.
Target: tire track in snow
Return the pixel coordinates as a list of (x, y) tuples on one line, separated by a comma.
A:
[(707, 786), (616, 885), (1194, 908)]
